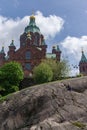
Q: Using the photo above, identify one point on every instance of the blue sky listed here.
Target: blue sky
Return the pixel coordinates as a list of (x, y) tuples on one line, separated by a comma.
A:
[(66, 21)]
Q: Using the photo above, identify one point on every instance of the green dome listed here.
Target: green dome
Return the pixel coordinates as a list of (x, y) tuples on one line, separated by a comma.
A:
[(12, 43), (2, 50), (32, 26), (58, 49), (83, 58)]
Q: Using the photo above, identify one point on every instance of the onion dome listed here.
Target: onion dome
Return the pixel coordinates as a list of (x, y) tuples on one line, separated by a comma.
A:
[(58, 49), (54, 47), (32, 27), (12, 43), (32, 16), (2, 50)]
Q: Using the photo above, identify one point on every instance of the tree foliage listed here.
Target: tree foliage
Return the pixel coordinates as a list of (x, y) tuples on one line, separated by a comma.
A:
[(10, 75), (59, 69), (42, 73)]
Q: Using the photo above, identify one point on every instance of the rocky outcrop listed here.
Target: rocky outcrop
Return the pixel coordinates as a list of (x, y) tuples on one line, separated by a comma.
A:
[(52, 106)]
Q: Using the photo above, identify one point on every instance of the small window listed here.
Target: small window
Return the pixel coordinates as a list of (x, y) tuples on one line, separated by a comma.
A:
[(28, 55), (28, 66)]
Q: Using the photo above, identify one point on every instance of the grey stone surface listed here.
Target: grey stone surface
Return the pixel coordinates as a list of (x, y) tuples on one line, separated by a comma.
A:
[(51, 106)]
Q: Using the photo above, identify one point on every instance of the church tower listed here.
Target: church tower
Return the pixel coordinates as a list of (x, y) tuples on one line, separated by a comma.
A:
[(83, 64), (11, 51), (56, 51), (2, 56)]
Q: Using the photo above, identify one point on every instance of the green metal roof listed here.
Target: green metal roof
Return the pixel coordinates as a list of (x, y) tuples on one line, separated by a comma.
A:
[(43, 42), (2, 50), (50, 55), (32, 26), (83, 58), (58, 49), (12, 43)]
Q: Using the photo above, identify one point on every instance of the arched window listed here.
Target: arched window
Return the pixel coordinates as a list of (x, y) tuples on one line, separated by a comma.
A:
[(28, 55)]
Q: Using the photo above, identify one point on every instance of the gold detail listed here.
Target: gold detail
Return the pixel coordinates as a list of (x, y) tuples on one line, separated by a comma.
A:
[(3, 45), (54, 46), (32, 16), (29, 35)]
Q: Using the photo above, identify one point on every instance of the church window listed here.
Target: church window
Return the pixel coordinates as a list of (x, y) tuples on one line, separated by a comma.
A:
[(28, 55), (28, 66)]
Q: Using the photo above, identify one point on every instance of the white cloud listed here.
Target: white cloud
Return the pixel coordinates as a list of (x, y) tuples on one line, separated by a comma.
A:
[(49, 26), (13, 28), (71, 48)]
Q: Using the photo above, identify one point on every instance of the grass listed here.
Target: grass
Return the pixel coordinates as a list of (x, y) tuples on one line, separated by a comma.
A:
[(3, 98), (79, 124)]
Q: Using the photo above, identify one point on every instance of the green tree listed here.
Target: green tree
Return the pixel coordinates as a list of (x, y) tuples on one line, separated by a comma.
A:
[(10, 76), (42, 73), (59, 69)]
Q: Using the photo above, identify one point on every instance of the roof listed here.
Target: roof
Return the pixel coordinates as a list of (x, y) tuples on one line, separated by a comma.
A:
[(32, 27), (12, 43), (50, 55), (2, 50), (58, 49), (83, 58)]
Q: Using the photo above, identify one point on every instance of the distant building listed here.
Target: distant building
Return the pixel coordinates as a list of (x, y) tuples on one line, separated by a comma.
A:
[(83, 64), (32, 49)]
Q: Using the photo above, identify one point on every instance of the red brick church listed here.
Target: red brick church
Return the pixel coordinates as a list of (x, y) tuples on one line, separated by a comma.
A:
[(83, 64), (32, 49)]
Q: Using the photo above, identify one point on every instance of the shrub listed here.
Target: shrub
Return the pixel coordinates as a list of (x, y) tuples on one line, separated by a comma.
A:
[(10, 76), (42, 73), (60, 69)]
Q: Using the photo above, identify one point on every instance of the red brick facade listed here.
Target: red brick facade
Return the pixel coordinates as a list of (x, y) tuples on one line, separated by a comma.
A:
[(32, 49)]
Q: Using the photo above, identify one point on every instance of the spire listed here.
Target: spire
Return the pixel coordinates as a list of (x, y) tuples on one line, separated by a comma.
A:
[(2, 50), (83, 58), (32, 20), (58, 49), (12, 43), (32, 16), (32, 27)]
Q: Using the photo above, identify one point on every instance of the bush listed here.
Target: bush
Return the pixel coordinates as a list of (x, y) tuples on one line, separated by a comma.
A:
[(42, 73), (60, 69), (10, 76)]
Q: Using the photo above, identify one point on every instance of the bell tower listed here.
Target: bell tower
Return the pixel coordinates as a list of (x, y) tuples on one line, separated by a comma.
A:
[(2, 56), (83, 64)]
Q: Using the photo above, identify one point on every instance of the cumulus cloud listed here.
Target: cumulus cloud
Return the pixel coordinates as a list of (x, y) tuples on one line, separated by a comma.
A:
[(50, 25), (12, 28), (71, 49)]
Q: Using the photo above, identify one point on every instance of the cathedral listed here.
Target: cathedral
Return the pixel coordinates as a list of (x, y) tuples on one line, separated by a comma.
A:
[(31, 51)]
